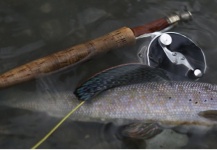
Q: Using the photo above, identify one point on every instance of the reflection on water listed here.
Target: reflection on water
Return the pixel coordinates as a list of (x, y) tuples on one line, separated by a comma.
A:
[(29, 30)]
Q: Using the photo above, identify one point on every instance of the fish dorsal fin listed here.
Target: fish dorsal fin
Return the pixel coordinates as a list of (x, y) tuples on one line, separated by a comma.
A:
[(209, 114), (117, 76)]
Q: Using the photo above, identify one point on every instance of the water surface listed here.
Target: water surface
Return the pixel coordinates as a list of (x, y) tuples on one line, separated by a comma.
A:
[(32, 29)]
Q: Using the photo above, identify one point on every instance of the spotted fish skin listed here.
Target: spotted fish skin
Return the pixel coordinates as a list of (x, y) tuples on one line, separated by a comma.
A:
[(166, 102)]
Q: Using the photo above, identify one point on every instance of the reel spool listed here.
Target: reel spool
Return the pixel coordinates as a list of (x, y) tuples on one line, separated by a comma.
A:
[(174, 53)]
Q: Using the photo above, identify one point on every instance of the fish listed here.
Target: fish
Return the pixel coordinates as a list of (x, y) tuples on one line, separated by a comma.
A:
[(171, 102), (165, 102)]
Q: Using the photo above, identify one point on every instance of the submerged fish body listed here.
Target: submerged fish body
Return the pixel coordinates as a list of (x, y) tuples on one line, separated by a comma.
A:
[(132, 92), (169, 102), (166, 102), (140, 92)]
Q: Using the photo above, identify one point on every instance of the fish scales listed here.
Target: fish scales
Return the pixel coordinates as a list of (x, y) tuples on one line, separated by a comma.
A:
[(167, 102), (171, 102)]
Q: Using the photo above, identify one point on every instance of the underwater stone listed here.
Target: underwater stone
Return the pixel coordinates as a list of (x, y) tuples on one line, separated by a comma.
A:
[(172, 140)]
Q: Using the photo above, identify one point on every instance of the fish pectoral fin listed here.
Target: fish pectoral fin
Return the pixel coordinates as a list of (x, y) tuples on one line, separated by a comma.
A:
[(142, 131), (209, 114)]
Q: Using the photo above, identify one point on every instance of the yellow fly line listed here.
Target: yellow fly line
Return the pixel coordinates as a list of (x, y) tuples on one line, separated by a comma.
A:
[(57, 126)]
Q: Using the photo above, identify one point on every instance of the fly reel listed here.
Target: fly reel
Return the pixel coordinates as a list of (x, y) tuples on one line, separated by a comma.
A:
[(174, 53)]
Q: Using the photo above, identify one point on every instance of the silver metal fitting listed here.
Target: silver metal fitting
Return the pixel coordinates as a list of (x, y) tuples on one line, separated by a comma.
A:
[(173, 19), (165, 39), (185, 16), (180, 16), (198, 73), (175, 57)]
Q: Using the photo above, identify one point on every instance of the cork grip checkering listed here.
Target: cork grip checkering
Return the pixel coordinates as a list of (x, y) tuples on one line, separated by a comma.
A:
[(69, 56)]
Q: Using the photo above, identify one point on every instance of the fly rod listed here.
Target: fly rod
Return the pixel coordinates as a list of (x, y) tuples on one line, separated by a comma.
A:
[(113, 40)]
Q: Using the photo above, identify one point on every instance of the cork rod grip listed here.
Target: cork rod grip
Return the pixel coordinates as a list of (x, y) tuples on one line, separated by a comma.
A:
[(69, 56)]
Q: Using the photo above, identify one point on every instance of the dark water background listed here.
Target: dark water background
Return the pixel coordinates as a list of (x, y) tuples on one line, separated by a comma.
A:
[(36, 28)]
